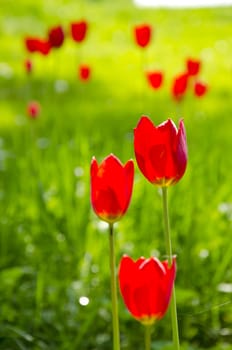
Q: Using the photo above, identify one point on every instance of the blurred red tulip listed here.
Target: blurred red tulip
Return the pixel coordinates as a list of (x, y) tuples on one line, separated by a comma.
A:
[(37, 45), (84, 72), (31, 44), (155, 79), (56, 36), (79, 30), (143, 34), (200, 89), (33, 109), (161, 152), (146, 287), (28, 66), (111, 187), (44, 47), (193, 66), (179, 86)]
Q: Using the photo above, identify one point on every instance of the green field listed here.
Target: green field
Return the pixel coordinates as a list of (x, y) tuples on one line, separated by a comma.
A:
[(53, 248)]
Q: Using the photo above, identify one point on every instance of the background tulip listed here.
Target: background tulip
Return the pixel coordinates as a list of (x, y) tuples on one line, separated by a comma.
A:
[(111, 187), (179, 86), (155, 79), (56, 36), (143, 34), (37, 45), (161, 152), (31, 44), (79, 30), (200, 89), (33, 109), (84, 72), (146, 287), (28, 66), (193, 66), (44, 47)]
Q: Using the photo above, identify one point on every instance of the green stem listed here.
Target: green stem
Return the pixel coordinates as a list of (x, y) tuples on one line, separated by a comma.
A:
[(116, 336), (175, 331), (147, 337)]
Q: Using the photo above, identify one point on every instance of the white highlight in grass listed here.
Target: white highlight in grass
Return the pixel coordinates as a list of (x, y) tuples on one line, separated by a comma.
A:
[(78, 171), (225, 287), (6, 71), (102, 226), (204, 253), (61, 86), (80, 189), (84, 301), (182, 3)]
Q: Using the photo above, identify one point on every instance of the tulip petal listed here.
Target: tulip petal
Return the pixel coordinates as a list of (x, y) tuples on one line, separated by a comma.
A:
[(181, 151)]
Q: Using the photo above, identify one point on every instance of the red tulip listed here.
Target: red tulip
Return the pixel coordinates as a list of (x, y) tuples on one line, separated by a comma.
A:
[(33, 109), (84, 72), (31, 44), (111, 187), (56, 36), (200, 89), (28, 66), (179, 86), (37, 45), (155, 79), (161, 152), (44, 47), (78, 30), (143, 34), (146, 287), (193, 66)]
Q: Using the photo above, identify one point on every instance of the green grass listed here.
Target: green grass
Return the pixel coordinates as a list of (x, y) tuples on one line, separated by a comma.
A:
[(53, 249)]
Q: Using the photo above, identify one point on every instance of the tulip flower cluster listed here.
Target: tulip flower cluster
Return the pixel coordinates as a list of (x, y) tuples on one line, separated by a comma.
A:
[(146, 285), (143, 35), (189, 79), (55, 39)]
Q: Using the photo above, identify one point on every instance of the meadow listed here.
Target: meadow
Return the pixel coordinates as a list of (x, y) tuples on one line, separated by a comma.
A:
[(53, 248)]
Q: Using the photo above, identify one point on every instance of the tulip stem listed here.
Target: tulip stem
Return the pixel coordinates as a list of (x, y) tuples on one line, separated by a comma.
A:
[(148, 337), (175, 331), (115, 322)]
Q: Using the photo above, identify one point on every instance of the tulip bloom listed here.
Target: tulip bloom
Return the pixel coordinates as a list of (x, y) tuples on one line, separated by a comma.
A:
[(146, 287), (111, 187), (44, 47), (28, 66), (84, 72), (79, 30), (56, 36), (179, 87), (31, 44), (193, 66), (142, 35), (37, 45), (200, 89), (155, 79), (161, 152), (33, 109)]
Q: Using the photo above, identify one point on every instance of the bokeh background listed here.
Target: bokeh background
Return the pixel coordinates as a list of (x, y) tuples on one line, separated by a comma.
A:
[(54, 271)]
